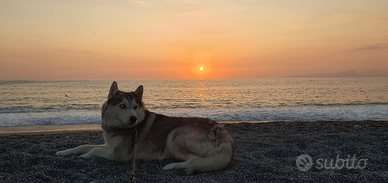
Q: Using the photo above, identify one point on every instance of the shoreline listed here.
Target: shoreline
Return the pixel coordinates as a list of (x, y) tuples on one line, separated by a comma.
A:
[(264, 152), (38, 129)]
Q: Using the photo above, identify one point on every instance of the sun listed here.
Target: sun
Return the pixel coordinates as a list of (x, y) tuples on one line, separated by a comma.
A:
[(200, 71)]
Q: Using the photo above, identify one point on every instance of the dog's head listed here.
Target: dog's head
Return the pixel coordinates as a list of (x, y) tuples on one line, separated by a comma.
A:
[(125, 108)]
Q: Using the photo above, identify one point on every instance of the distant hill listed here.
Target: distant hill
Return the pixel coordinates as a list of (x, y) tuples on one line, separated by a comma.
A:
[(350, 73)]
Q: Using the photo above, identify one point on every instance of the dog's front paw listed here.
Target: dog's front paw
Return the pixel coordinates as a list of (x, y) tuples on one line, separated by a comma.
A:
[(84, 156), (61, 153), (170, 166)]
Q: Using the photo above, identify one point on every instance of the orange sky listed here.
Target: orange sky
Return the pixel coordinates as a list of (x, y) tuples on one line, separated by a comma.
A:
[(171, 39)]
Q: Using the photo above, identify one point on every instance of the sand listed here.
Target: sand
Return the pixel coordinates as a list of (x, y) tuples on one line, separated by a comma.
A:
[(264, 152)]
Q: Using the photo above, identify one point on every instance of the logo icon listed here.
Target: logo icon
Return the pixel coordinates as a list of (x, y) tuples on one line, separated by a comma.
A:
[(304, 162)]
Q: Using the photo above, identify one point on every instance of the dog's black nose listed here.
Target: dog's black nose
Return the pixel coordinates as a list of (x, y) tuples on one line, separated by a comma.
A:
[(132, 119)]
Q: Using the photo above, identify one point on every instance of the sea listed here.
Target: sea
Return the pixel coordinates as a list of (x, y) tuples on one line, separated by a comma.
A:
[(64, 102)]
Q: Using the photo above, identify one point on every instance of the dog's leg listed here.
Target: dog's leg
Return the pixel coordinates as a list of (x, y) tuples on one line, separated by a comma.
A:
[(199, 151), (181, 165), (102, 152), (79, 150)]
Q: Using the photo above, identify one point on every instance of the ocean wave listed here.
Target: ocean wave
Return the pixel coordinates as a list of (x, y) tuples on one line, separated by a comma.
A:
[(288, 113), (79, 102), (252, 114), (50, 118)]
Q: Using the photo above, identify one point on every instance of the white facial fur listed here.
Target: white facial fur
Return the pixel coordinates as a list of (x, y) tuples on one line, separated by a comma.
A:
[(128, 109)]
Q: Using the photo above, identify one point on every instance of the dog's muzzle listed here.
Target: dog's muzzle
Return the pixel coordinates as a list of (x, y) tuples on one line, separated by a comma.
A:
[(132, 120)]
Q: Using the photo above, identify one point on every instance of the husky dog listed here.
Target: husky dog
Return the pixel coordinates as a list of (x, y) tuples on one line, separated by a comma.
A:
[(200, 144)]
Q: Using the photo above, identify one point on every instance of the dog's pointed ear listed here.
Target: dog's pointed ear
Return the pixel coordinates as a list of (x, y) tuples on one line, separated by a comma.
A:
[(139, 92), (113, 90)]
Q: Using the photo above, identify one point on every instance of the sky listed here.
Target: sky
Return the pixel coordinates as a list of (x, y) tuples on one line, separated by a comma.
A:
[(172, 39)]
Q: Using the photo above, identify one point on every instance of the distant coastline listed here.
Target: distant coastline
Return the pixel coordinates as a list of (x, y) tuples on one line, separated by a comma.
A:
[(349, 73)]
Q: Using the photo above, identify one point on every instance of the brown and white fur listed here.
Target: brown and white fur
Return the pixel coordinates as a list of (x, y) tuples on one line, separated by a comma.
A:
[(201, 144)]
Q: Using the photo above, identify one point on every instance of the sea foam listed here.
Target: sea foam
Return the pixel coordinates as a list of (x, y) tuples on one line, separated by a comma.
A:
[(222, 115)]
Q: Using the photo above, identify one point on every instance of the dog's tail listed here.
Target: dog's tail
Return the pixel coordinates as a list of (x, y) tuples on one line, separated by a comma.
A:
[(218, 159), (202, 151)]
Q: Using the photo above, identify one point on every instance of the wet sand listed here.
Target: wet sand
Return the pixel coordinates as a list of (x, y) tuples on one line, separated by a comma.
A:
[(264, 152)]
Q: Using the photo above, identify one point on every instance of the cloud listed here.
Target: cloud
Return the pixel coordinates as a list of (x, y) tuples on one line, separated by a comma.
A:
[(372, 47), (70, 51), (140, 2), (297, 26)]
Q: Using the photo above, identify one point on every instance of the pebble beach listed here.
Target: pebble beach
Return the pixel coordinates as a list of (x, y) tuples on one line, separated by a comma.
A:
[(354, 151)]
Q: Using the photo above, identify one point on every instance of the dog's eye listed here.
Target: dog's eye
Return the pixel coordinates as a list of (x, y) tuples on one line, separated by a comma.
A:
[(122, 106), (136, 106)]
